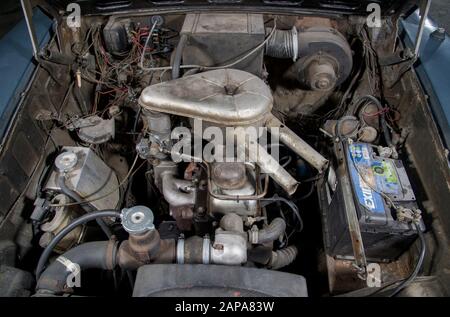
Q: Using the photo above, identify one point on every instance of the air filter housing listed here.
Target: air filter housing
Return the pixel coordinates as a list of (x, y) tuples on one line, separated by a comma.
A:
[(226, 97)]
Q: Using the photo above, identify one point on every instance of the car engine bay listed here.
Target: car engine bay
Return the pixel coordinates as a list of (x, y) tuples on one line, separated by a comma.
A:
[(321, 204)]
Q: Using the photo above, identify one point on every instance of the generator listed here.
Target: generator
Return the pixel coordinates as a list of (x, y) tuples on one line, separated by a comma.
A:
[(375, 183)]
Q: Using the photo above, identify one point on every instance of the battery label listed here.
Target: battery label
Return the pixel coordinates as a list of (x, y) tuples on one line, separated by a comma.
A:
[(386, 177), (370, 177)]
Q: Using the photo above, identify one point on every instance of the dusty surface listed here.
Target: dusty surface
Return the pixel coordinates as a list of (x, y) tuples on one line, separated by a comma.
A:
[(440, 12)]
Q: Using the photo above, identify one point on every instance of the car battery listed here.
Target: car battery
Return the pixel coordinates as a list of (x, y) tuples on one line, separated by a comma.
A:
[(375, 183), (220, 39)]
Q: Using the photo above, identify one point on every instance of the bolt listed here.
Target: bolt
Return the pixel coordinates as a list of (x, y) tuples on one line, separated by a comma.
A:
[(218, 246)]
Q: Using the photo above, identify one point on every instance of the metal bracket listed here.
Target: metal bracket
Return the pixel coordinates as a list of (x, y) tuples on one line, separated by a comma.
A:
[(424, 9), (353, 225), (28, 14), (408, 56)]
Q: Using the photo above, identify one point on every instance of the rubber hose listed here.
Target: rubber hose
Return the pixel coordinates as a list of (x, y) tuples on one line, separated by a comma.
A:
[(56, 57), (272, 232), (90, 255), (71, 226), (283, 257)]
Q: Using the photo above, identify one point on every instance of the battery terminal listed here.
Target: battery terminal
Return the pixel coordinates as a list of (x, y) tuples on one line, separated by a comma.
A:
[(409, 215)]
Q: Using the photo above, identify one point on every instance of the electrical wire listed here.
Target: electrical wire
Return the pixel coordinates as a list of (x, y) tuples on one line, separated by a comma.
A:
[(141, 61), (309, 193), (77, 198), (290, 204), (250, 53), (287, 159), (418, 266), (85, 201), (367, 99), (413, 276)]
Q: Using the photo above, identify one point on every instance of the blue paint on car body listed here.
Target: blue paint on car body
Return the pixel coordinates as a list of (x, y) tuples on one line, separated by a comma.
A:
[(433, 68), (17, 64)]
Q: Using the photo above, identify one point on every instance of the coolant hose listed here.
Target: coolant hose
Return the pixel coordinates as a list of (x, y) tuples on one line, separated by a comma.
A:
[(269, 234), (90, 255), (272, 259), (60, 235), (283, 257)]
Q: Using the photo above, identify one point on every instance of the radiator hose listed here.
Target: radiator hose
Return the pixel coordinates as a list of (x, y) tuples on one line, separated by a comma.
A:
[(272, 259), (98, 255), (269, 234), (60, 235), (283, 257)]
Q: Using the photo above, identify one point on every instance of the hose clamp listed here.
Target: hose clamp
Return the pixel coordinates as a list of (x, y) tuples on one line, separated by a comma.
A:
[(294, 43), (206, 255), (253, 235), (111, 253), (180, 250)]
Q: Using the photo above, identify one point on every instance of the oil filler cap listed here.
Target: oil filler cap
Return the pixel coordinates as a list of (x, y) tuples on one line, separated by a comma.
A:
[(137, 220)]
